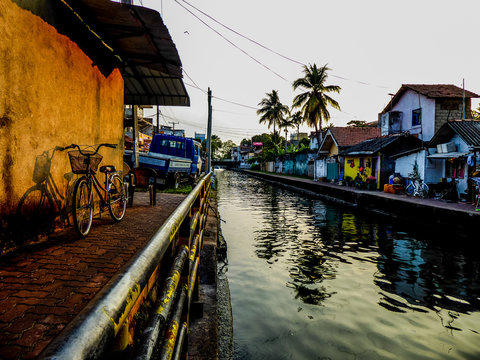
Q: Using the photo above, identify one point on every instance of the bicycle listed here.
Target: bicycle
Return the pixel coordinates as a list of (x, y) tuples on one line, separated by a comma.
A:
[(112, 194), (43, 202), (417, 188)]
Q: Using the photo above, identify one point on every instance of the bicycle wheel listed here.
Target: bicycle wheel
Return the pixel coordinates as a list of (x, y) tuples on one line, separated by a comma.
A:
[(117, 197), (424, 190), (409, 189), (35, 212), (82, 206)]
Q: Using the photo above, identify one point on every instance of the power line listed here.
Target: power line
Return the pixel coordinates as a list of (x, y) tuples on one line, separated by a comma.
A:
[(224, 129), (235, 103), (198, 87), (231, 112), (221, 99), (266, 47), (243, 36), (231, 43)]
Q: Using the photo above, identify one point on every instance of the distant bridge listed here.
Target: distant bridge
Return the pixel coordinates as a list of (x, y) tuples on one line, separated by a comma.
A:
[(226, 164)]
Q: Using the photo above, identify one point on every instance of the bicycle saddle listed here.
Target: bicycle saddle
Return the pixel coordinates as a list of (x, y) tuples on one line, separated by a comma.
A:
[(107, 168)]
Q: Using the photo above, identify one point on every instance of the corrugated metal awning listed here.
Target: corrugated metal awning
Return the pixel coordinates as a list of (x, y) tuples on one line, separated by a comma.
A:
[(449, 155), (144, 86), (152, 68)]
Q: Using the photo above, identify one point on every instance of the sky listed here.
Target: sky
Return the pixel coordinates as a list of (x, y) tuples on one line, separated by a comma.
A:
[(372, 47)]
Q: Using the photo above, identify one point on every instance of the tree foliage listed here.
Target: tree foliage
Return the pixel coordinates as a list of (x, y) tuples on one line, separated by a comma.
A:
[(226, 150), (246, 142), (357, 123), (272, 111), (216, 145), (304, 142), (314, 101), (296, 120), (476, 113)]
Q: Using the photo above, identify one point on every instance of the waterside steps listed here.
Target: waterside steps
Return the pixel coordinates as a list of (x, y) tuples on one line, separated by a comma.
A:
[(144, 311)]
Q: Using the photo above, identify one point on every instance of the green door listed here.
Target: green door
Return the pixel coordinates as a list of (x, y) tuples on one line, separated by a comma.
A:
[(332, 171)]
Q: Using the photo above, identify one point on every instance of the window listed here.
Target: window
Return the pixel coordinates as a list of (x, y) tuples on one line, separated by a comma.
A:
[(417, 117)]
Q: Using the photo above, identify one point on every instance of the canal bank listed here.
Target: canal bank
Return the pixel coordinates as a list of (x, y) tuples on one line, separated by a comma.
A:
[(310, 279), (456, 216), (211, 327)]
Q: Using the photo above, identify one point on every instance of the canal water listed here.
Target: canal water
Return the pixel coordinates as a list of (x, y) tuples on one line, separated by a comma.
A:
[(312, 280)]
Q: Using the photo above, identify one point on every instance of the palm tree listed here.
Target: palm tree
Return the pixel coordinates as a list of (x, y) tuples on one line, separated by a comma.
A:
[(285, 124), (272, 110), (314, 101), (296, 119)]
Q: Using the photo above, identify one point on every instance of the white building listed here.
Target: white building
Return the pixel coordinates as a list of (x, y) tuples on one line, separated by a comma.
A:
[(422, 109)]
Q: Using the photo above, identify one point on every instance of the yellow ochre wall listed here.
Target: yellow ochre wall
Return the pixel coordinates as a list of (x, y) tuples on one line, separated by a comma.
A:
[(333, 150), (50, 95), (353, 171)]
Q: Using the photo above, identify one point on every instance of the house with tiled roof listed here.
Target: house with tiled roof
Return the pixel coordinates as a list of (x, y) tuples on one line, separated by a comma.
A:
[(329, 164), (374, 158), (421, 109)]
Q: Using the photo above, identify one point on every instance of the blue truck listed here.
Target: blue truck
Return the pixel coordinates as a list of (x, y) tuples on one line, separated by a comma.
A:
[(174, 158)]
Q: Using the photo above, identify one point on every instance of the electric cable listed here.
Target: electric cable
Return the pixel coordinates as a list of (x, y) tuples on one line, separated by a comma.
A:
[(232, 43), (267, 48), (243, 36)]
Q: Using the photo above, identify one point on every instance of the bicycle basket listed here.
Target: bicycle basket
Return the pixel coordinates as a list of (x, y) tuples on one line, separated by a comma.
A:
[(78, 161), (42, 168)]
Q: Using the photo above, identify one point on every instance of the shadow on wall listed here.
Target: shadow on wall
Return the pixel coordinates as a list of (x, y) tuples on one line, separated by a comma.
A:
[(42, 208)]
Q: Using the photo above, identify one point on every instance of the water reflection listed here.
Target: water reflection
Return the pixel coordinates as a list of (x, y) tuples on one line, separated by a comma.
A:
[(351, 263), (315, 236), (426, 275)]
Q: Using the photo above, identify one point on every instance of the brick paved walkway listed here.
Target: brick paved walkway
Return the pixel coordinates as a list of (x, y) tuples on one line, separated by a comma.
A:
[(43, 289)]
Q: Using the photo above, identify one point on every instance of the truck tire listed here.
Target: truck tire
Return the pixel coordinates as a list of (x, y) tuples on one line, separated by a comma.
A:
[(193, 179), (176, 180)]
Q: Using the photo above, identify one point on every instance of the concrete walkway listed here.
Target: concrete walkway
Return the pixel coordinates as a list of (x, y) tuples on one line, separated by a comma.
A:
[(42, 289)]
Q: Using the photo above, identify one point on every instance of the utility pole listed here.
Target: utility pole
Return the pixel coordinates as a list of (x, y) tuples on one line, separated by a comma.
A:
[(158, 120), (209, 132), (135, 136), (135, 159), (173, 126)]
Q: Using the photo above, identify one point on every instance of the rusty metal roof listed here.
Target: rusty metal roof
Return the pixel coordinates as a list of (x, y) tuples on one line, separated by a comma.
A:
[(390, 144), (468, 130), (151, 65), (371, 146)]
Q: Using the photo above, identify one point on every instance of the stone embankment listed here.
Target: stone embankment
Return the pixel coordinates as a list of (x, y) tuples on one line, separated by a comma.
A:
[(211, 335), (461, 218)]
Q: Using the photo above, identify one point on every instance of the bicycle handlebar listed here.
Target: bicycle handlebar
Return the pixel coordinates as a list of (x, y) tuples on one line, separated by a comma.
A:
[(83, 152)]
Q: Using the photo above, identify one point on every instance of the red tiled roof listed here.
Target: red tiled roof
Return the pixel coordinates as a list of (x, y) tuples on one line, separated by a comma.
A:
[(431, 91), (440, 91), (348, 136)]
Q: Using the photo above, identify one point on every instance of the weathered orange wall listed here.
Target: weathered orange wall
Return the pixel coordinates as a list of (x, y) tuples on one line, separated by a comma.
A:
[(50, 95)]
